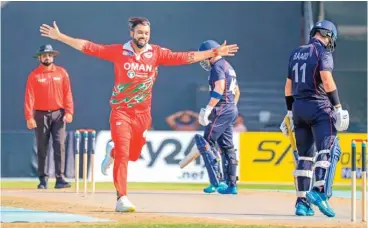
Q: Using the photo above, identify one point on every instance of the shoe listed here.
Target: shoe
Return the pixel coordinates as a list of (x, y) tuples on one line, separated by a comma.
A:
[(229, 190), (61, 183), (303, 208), (212, 189), (124, 205), (222, 185), (108, 160), (320, 200), (43, 183)]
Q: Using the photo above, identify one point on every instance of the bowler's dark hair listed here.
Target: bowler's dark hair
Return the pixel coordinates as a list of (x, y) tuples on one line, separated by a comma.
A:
[(134, 21)]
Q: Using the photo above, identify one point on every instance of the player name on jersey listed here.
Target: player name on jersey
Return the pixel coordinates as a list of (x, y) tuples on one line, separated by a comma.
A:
[(301, 56)]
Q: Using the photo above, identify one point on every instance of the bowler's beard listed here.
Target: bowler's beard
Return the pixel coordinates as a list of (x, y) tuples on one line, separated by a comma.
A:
[(46, 63), (136, 42)]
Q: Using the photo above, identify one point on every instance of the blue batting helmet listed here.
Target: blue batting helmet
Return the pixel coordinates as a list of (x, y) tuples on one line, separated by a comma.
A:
[(205, 46), (208, 45), (326, 29)]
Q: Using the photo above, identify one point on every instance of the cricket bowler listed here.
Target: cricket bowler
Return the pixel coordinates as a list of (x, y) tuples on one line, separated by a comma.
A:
[(135, 64), (313, 105), (219, 117)]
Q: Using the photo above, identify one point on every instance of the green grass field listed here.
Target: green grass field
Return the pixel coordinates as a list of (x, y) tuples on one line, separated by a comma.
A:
[(159, 186)]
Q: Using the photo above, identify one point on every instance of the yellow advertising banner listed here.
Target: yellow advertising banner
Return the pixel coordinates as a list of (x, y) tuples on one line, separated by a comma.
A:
[(266, 157)]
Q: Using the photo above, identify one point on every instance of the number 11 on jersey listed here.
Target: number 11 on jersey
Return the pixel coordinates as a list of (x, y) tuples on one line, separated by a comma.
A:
[(296, 72)]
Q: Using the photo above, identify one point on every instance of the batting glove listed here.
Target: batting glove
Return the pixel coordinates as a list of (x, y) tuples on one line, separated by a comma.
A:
[(342, 119), (283, 126), (203, 115)]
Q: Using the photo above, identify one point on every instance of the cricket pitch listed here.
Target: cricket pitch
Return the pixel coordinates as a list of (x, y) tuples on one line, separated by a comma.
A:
[(249, 207)]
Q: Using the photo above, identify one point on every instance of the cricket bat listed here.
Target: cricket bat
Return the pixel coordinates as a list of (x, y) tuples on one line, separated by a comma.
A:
[(292, 140), (293, 146), (189, 158)]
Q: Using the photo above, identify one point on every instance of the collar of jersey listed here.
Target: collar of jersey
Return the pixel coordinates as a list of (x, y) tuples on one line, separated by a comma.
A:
[(43, 68), (217, 61), (128, 46), (315, 40)]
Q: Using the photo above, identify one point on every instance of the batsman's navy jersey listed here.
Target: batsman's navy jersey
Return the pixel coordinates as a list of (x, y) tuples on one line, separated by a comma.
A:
[(305, 64), (223, 115), (312, 110), (220, 70)]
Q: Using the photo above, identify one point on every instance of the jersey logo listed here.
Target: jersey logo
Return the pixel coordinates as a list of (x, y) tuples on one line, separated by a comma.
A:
[(148, 55)]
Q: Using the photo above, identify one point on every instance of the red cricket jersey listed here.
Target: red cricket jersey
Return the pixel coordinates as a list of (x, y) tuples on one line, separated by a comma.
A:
[(48, 89), (135, 74)]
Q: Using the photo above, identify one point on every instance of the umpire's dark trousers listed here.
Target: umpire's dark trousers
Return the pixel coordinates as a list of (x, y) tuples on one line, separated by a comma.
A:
[(50, 123)]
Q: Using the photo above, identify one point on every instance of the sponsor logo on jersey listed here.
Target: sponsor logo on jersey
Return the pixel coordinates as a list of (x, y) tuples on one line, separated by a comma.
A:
[(131, 74), (138, 67)]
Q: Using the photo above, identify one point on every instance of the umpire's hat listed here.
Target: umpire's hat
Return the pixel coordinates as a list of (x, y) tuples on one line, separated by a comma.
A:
[(46, 49)]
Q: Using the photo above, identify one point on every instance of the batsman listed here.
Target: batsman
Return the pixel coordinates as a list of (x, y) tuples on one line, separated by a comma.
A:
[(218, 118), (314, 107)]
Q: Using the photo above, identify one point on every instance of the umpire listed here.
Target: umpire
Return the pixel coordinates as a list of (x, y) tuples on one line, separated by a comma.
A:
[(48, 106)]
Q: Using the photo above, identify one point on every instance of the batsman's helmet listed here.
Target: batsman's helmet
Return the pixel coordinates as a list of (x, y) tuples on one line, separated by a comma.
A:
[(208, 45), (205, 46), (326, 29)]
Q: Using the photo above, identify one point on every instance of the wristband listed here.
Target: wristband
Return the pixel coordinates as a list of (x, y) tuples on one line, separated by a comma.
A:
[(289, 102), (215, 95), (333, 96)]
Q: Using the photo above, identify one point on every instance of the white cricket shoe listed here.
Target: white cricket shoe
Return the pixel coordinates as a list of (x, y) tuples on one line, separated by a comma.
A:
[(108, 160), (124, 205)]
